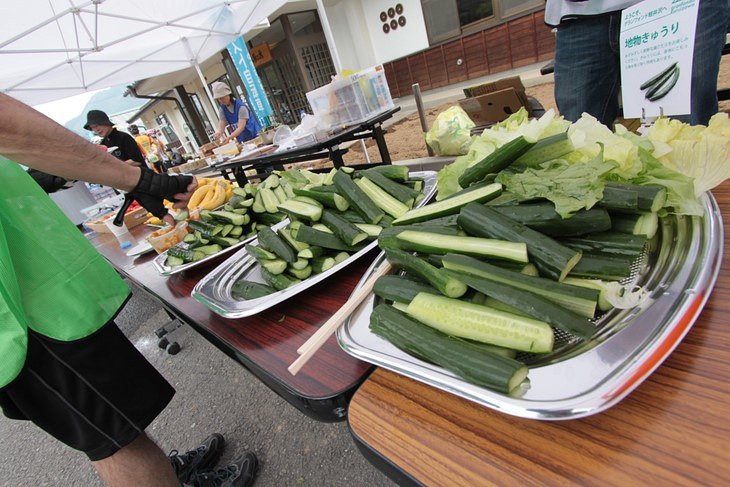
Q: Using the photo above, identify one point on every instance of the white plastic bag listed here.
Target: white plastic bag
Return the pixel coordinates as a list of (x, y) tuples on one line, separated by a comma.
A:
[(450, 134)]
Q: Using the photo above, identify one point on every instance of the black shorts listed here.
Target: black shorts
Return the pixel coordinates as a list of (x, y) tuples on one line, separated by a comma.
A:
[(96, 394)]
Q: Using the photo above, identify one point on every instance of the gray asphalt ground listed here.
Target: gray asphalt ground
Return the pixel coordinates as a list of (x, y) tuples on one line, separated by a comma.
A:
[(214, 394)]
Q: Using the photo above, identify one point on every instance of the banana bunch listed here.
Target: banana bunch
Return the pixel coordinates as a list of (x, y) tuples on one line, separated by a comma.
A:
[(211, 193)]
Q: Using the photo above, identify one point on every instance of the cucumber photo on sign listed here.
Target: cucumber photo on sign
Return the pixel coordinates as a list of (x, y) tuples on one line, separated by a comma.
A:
[(661, 84)]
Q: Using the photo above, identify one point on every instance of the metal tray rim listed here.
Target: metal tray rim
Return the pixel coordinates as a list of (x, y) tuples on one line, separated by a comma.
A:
[(159, 261)]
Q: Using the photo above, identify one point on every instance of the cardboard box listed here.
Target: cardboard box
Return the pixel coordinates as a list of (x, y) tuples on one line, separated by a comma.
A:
[(492, 86), (207, 149), (493, 107), (131, 220)]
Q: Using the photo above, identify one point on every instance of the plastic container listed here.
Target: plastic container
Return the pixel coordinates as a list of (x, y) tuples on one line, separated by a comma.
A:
[(166, 237), (352, 99)]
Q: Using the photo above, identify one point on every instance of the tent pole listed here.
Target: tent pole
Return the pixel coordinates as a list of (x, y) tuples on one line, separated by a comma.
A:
[(194, 63), (335, 56)]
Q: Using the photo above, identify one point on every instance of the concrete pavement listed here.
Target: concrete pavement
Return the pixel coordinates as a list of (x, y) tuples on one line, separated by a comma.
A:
[(214, 394)]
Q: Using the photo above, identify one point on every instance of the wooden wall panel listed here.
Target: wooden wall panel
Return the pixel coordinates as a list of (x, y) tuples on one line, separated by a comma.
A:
[(519, 42), (475, 55), (498, 49), (453, 52), (522, 41)]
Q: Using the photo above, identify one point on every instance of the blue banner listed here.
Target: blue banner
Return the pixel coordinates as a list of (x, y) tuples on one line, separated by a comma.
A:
[(256, 94)]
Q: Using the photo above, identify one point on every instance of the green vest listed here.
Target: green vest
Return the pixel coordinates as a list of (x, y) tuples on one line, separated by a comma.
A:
[(52, 280)]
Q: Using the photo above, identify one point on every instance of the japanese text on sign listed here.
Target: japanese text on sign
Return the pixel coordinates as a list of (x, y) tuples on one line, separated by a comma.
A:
[(242, 59)]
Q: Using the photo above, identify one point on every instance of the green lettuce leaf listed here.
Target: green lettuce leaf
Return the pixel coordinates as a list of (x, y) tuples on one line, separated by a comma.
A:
[(448, 176), (680, 188), (570, 187)]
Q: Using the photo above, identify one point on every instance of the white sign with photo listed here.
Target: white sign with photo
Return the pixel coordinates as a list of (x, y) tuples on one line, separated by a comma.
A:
[(657, 44)]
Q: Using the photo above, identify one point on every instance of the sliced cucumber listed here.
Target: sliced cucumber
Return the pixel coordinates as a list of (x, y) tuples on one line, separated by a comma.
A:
[(545, 150), (435, 243), (322, 264), (302, 210), (357, 199), (480, 323), (300, 273), (382, 198), (275, 266), (446, 284), (496, 161), (449, 206)]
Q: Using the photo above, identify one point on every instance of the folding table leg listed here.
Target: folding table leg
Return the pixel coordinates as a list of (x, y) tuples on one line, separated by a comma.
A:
[(240, 176), (336, 156), (379, 136)]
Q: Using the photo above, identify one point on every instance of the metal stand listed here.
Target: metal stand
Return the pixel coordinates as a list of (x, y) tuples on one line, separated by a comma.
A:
[(646, 123)]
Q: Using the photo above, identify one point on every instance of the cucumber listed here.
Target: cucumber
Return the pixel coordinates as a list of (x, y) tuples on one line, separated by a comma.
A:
[(608, 243), (649, 197), (271, 182), (496, 161), (445, 284), (274, 266), (370, 230), (619, 197), (186, 255), (579, 300), (440, 229), (303, 273), (226, 230), (250, 189), (602, 266), (322, 228), (240, 192), (205, 216), (347, 170), (382, 198), (182, 215), (191, 238), (449, 206), (480, 323), (398, 288), (308, 201), (321, 264), (268, 199), (224, 241), (434, 243), (205, 229), (497, 304), (243, 289), (396, 173), (240, 211), (353, 217), (344, 230), (288, 190), (543, 218), (278, 281), (416, 184), (547, 149), (173, 261), (645, 224), (236, 201), (386, 221), (295, 244), (398, 191), (269, 219), (301, 210), (551, 257), (467, 360), (236, 231), (310, 253), (597, 284), (504, 199), (280, 194), (324, 189), (534, 305), (258, 203), (299, 264), (309, 235), (341, 257), (209, 249), (330, 200), (657, 78), (357, 199), (247, 203), (446, 221), (273, 243)]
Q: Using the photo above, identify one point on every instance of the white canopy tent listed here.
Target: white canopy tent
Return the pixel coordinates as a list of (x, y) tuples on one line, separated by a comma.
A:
[(52, 49)]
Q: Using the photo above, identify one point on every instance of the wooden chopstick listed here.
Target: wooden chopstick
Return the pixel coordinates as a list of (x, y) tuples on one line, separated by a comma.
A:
[(310, 347)]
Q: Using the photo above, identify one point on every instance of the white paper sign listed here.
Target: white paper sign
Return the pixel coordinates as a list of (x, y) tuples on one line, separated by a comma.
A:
[(656, 45)]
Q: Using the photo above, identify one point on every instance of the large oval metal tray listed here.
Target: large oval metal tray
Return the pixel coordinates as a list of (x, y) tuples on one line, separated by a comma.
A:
[(580, 378), (214, 290)]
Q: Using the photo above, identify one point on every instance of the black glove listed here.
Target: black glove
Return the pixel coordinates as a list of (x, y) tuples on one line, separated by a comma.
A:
[(151, 189)]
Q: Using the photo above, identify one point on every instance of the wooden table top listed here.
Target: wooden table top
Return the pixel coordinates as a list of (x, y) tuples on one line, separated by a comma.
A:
[(267, 342), (672, 430)]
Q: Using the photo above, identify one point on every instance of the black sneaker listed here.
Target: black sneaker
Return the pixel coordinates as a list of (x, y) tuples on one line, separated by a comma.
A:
[(240, 473), (203, 457)]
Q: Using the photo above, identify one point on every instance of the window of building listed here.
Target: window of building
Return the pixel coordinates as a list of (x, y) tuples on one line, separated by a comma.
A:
[(471, 11)]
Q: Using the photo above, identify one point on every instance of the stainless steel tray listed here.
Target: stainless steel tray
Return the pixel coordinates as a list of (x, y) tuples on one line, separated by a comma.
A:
[(166, 270), (214, 290), (581, 378)]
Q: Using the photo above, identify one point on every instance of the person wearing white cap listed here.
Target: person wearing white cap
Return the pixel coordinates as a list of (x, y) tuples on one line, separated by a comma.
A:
[(234, 114)]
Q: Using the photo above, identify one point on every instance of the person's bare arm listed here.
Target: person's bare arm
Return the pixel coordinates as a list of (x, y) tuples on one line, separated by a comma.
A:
[(31, 138), (221, 129), (239, 129)]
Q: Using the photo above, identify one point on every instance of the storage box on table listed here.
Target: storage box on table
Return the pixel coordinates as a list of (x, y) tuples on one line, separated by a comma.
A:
[(131, 219), (492, 102), (352, 99), (492, 86)]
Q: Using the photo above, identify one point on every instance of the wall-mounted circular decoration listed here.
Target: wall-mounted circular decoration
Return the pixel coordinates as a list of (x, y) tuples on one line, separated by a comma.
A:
[(391, 12), (393, 24), (399, 9), (386, 28), (383, 16), (401, 21)]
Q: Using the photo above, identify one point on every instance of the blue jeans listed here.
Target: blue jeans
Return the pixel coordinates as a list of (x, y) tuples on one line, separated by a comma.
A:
[(587, 65)]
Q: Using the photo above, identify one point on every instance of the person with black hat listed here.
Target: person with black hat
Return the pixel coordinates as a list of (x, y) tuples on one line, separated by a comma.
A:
[(126, 147), (64, 363)]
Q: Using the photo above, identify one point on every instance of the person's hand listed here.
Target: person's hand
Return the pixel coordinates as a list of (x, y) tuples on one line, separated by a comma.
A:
[(217, 135), (152, 188), (133, 163)]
